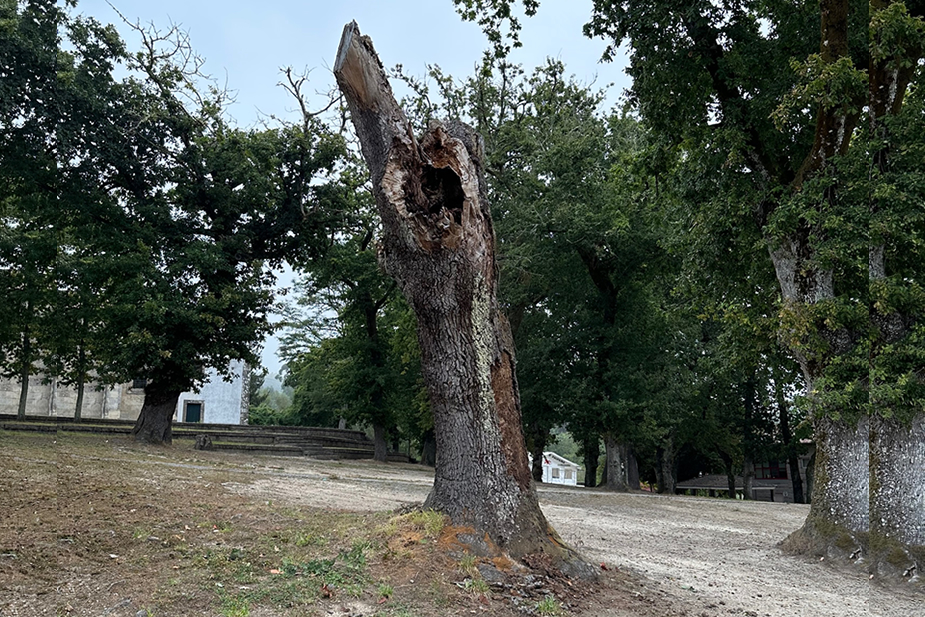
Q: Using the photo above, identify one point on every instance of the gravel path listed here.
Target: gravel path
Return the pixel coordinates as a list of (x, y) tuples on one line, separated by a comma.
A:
[(712, 557)]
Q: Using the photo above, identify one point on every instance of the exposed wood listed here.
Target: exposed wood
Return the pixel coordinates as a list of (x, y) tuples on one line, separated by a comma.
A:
[(438, 244)]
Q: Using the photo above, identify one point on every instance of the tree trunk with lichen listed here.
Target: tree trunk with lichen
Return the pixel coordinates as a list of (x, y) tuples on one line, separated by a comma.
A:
[(897, 438), (868, 498), (897, 455), (838, 522), (438, 244)]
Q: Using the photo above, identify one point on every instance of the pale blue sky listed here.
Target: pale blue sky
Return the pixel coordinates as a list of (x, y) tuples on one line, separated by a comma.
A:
[(246, 43)]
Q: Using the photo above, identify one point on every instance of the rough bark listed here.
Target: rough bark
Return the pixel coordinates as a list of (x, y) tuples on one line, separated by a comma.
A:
[(616, 468), (665, 471), (838, 521), (78, 406), (897, 468), (897, 447), (748, 478), (632, 469), (155, 422), (380, 447), (438, 244)]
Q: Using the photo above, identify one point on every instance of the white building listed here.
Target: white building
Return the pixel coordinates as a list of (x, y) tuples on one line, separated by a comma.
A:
[(558, 469), (217, 401)]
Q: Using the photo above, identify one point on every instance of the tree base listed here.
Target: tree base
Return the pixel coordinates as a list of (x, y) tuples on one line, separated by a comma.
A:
[(892, 561), (818, 538), (155, 421), (885, 559), (551, 555)]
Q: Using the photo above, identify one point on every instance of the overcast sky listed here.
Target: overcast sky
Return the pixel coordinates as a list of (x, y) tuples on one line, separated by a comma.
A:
[(246, 43)]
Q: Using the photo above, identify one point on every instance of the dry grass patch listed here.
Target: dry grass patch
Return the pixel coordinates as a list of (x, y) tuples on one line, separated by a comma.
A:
[(95, 525)]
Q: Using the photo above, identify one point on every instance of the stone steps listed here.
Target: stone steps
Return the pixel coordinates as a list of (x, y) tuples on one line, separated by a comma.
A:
[(323, 443)]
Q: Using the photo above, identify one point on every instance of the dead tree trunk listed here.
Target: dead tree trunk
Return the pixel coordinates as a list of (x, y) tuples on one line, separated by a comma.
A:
[(438, 244)]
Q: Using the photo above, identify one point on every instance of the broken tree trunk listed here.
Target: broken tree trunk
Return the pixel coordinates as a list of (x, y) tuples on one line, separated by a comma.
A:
[(438, 244)]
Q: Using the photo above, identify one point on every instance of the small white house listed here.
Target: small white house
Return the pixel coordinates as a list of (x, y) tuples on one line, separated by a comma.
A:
[(558, 469)]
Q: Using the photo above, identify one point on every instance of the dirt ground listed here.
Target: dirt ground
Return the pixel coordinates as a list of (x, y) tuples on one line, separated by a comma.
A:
[(712, 556), (109, 528)]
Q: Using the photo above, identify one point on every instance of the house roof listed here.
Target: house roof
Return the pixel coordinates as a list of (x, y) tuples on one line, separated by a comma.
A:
[(561, 460)]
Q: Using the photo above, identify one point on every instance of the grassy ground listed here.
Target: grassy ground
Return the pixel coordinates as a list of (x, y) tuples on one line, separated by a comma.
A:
[(92, 525)]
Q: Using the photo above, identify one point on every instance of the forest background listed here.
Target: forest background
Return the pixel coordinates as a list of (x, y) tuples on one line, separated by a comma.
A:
[(690, 276)]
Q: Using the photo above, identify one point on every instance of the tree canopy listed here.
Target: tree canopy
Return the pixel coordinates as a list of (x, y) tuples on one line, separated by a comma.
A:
[(788, 121), (142, 229)]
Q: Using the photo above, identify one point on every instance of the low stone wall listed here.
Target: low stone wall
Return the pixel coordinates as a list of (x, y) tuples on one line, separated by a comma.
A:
[(316, 442)]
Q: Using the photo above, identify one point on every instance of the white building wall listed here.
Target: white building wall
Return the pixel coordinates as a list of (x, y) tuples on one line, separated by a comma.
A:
[(222, 401)]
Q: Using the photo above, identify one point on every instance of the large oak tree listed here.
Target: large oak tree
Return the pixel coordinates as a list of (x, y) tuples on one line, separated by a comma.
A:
[(140, 227), (771, 97)]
